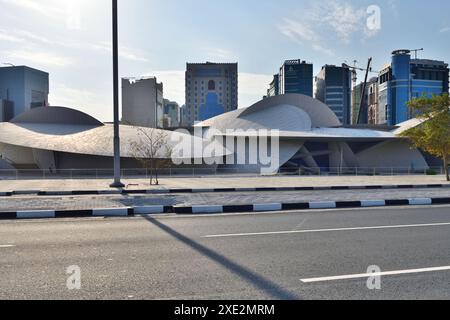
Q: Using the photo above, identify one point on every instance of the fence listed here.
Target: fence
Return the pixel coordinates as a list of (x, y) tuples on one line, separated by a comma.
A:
[(34, 174)]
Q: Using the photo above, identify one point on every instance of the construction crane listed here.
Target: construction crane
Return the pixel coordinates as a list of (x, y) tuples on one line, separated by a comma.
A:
[(415, 51), (354, 70), (355, 79), (363, 93)]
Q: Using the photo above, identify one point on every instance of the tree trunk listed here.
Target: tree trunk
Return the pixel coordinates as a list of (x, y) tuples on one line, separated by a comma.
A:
[(447, 173), (151, 173), (156, 176)]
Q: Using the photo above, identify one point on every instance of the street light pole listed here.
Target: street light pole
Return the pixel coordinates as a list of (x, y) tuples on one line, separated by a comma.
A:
[(117, 169)]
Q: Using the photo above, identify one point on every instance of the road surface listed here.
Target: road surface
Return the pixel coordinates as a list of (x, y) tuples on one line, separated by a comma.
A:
[(292, 255)]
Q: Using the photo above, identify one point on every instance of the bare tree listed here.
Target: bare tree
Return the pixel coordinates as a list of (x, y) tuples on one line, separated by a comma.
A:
[(152, 144)]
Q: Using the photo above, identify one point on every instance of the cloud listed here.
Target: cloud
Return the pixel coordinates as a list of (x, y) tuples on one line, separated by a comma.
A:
[(81, 99), (220, 54), (27, 4), (41, 43), (39, 58), (302, 34), (49, 8), (5, 36), (445, 30), (125, 52), (343, 18), (324, 22)]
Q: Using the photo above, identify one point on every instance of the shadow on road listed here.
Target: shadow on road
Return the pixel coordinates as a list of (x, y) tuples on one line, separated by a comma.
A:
[(258, 281)]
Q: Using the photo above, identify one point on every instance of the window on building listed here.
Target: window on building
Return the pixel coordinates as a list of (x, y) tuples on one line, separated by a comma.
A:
[(211, 85)]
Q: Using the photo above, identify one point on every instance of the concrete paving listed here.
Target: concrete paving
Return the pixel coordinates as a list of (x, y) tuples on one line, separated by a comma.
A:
[(218, 182), (261, 256), (241, 198)]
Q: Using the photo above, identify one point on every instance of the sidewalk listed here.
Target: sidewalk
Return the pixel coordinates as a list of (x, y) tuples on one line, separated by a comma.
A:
[(219, 182)]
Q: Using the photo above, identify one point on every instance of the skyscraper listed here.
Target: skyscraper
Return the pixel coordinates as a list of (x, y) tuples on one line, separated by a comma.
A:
[(23, 88), (296, 76), (142, 102), (334, 88), (405, 79), (211, 89)]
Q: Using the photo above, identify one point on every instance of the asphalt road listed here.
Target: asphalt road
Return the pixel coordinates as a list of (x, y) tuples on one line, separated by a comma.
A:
[(230, 198), (262, 256)]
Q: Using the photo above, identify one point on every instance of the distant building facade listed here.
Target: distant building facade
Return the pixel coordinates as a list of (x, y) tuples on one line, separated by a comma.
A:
[(370, 102), (356, 102), (6, 110), (211, 90), (375, 114), (171, 114), (274, 87), (24, 88), (296, 76), (334, 88), (142, 102), (405, 79)]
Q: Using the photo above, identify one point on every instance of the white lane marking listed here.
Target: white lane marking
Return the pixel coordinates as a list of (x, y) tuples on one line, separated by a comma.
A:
[(327, 230), (375, 274), (7, 246)]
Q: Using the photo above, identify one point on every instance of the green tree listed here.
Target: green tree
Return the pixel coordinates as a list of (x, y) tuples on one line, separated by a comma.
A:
[(433, 135)]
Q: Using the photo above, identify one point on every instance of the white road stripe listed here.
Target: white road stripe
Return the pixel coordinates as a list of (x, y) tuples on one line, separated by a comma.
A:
[(327, 230), (375, 274), (7, 246)]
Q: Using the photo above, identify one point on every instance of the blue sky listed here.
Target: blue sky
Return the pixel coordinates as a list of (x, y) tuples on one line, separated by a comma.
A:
[(71, 39)]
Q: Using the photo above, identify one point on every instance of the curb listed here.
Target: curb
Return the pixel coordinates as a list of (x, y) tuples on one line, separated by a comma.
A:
[(217, 190), (217, 209)]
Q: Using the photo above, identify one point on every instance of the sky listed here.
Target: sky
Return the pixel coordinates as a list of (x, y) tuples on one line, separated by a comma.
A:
[(71, 39)]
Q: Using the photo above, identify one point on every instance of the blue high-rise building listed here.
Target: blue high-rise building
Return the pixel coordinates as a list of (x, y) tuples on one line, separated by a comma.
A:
[(406, 79)]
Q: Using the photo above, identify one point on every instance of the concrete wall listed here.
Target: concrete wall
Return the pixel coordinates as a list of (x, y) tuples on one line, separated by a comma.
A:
[(392, 154), (17, 155), (142, 103), (44, 159)]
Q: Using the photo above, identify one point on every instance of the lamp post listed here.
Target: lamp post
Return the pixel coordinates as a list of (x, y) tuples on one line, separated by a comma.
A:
[(117, 169)]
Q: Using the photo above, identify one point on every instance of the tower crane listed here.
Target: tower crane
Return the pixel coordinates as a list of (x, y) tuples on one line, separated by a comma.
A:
[(355, 79), (415, 52)]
